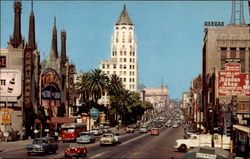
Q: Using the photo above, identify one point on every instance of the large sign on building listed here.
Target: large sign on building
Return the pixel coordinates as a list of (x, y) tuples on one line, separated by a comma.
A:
[(50, 89), (232, 82), (10, 83)]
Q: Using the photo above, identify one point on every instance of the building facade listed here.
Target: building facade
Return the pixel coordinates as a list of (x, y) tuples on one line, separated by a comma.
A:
[(123, 60), (158, 97), (20, 68)]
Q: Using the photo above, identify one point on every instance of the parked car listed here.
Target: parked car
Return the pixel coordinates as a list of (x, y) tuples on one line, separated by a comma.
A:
[(143, 129), (42, 145), (86, 137), (130, 129), (154, 131), (202, 140), (76, 150), (107, 139)]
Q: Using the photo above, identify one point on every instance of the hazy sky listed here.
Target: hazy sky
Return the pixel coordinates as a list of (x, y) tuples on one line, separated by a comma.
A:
[(169, 34)]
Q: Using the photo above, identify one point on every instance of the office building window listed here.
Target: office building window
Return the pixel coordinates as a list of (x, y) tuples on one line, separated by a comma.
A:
[(124, 73), (114, 66), (120, 66), (107, 66), (124, 66), (233, 52), (125, 60), (103, 65)]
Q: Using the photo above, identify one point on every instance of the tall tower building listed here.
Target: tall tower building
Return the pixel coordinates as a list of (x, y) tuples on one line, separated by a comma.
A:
[(123, 60)]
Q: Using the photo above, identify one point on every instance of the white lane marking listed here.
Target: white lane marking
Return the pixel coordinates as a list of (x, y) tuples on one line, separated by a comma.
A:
[(98, 155), (133, 139)]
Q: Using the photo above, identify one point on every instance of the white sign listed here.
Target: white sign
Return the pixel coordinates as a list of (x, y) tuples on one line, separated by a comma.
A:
[(10, 83)]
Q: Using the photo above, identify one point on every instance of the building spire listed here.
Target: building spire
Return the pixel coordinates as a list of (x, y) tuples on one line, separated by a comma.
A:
[(63, 48), (32, 39), (54, 40), (16, 38), (124, 17)]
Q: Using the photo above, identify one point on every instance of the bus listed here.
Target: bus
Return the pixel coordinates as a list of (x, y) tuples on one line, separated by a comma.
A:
[(70, 131)]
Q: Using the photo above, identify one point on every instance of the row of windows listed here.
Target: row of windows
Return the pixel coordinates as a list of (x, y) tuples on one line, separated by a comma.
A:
[(121, 66), (132, 60), (123, 40), (123, 53), (130, 79), (231, 53), (122, 73)]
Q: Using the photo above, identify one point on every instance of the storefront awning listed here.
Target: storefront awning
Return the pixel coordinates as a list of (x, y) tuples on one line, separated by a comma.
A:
[(245, 129), (61, 120)]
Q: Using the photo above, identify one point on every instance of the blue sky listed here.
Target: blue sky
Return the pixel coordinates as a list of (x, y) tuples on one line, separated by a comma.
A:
[(169, 34)]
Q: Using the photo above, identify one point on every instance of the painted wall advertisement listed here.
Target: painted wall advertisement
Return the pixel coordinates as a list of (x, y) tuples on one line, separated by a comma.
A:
[(10, 83), (232, 82)]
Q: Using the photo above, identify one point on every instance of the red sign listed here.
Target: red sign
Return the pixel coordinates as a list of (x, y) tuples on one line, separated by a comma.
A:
[(232, 82), (2, 61)]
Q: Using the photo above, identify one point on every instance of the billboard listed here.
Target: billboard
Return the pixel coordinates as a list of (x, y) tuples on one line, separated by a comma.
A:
[(232, 82), (10, 83)]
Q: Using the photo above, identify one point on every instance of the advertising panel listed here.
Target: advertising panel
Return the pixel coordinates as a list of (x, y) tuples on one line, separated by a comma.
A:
[(10, 83), (6, 116), (232, 82)]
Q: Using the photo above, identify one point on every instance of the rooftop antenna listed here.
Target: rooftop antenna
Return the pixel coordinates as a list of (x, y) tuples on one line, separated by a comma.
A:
[(237, 16)]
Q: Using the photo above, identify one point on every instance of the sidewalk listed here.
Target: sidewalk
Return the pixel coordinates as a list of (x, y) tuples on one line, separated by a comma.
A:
[(14, 145)]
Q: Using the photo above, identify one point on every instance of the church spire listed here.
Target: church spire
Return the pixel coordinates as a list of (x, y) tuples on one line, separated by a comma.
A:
[(16, 38), (63, 48), (32, 39), (124, 17), (54, 40)]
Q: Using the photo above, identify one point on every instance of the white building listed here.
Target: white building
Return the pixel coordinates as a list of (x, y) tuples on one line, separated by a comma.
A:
[(123, 60)]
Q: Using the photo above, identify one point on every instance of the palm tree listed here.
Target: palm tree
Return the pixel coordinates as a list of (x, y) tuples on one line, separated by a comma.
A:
[(115, 85), (97, 84), (81, 88), (122, 102)]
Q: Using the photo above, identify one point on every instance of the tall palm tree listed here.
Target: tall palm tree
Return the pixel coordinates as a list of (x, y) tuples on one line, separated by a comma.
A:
[(115, 85), (97, 84), (122, 103), (81, 88)]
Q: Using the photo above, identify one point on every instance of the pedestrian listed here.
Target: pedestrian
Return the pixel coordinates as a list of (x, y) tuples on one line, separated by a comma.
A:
[(36, 133)]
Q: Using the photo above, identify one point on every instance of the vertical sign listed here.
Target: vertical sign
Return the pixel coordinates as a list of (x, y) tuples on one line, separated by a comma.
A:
[(28, 71), (71, 73)]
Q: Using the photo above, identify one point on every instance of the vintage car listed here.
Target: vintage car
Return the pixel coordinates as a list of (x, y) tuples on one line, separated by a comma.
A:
[(130, 129), (76, 150), (42, 145), (108, 139), (117, 138), (155, 131), (86, 137), (96, 131), (143, 129)]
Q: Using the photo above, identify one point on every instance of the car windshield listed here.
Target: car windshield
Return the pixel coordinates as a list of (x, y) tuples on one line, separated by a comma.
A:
[(70, 130), (85, 133), (74, 145), (107, 135), (39, 141)]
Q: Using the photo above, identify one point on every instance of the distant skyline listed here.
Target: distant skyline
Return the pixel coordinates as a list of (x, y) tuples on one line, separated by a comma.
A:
[(169, 34)]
